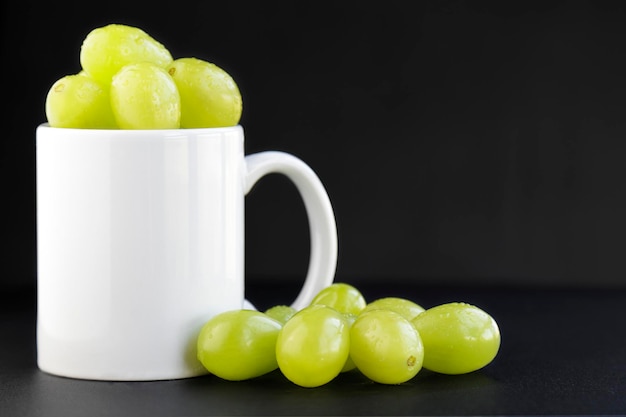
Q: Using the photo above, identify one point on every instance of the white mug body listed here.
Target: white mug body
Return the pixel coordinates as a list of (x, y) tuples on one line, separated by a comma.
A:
[(140, 241)]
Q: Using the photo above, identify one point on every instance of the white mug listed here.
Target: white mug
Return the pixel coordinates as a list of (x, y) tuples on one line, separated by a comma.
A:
[(140, 240)]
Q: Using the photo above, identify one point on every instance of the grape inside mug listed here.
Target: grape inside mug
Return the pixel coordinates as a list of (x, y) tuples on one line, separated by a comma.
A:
[(140, 240)]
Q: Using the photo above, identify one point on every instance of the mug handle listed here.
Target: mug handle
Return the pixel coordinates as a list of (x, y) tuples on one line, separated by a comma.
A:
[(322, 226)]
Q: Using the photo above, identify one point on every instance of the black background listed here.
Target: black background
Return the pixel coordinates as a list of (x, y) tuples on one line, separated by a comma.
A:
[(474, 142)]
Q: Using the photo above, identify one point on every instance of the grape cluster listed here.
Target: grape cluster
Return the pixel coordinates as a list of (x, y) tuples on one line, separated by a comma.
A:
[(389, 340), (129, 80)]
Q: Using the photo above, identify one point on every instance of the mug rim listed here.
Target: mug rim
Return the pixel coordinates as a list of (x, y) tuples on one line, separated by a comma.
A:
[(46, 125)]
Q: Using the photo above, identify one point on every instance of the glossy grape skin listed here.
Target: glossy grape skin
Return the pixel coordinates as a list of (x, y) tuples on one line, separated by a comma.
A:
[(386, 347), (458, 338), (78, 101), (313, 346), (406, 308), (144, 96), (343, 297), (105, 50), (239, 344), (209, 95), (349, 365), (282, 313)]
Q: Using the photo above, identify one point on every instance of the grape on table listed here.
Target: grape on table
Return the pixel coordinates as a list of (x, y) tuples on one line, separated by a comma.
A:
[(458, 338)]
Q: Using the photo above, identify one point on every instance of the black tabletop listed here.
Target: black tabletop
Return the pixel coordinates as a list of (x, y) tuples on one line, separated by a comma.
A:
[(563, 352)]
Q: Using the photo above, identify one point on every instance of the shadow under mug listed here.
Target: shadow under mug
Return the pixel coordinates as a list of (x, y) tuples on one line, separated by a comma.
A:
[(140, 240)]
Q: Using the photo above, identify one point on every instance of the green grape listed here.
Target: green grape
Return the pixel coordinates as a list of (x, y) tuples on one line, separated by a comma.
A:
[(349, 365), (144, 96), (209, 95), (78, 101), (458, 338), (313, 346), (239, 344), (385, 347), (105, 50), (342, 297), (282, 313), (406, 308)]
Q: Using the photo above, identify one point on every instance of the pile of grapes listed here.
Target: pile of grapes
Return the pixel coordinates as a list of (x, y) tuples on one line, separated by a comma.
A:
[(129, 80), (389, 340)]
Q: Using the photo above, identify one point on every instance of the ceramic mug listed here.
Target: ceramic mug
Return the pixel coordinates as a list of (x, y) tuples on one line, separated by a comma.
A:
[(140, 240)]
